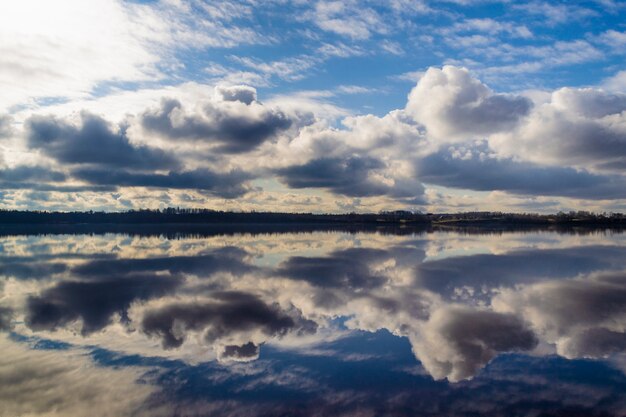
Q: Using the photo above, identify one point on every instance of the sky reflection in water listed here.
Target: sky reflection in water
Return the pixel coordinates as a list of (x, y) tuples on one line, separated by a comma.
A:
[(324, 323)]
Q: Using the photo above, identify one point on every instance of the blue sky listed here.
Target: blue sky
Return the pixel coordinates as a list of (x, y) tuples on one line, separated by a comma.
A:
[(313, 105)]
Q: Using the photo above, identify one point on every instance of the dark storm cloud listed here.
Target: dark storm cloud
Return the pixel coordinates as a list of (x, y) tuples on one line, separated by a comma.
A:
[(228, 313), (346, 176), (348, 269), (489, 271), (229, 259), (488, 174), (234, 129), (227, 185), (93, 302), (95, 141), (457, 341)]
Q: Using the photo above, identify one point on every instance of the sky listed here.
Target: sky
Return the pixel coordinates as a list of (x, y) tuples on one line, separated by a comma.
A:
[(313, 106)]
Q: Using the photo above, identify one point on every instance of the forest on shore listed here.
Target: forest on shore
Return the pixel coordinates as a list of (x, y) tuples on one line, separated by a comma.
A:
[(207, 216)]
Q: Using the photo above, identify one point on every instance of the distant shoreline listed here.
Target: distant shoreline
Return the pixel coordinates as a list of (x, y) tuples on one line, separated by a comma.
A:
[(204, 216), (175, 223)]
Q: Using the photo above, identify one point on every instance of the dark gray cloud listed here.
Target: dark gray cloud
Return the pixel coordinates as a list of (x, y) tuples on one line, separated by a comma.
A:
[(457, 341), (228, 185), (350, 176), (243, 352), (95, 141), (94, 301), (227, 313), (58, 188), (34, 178), (25, 173), (232, 128), (488, 174)]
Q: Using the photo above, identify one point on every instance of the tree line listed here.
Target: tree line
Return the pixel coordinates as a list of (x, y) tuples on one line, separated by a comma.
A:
[(201, 215)]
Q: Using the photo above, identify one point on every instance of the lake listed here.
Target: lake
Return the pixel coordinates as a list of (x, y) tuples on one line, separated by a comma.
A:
[(391, 322)]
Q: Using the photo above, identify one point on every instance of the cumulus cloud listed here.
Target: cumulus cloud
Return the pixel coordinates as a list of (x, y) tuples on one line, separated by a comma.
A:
[(6, 128), (242, 93), (577, 127), (228, 185), (39, 179), (94, 302), (477, 275), (25, 173), (584, 317), (236, 124), (478, 168), (616, 82), (454, 132), (348, 270), (30, 268), (227, 305), (94, 141), (353, 176), (226, 317), (230, 259), (454, 105), (457, 341)]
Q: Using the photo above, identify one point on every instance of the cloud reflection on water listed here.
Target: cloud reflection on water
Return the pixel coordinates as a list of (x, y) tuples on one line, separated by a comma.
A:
[(462, 301)]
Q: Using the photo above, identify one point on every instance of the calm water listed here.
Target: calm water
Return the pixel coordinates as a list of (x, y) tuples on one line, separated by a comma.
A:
[(322, 323)]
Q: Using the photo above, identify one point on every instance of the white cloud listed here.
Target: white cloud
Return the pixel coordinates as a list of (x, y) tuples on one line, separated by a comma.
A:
[(584, 317), (347, 18), (616, 82), (457, 341), (578, 127), (455, 106), (65, 49)]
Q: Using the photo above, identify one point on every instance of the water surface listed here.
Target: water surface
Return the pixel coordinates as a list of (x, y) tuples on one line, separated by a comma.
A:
[(314, 323)]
